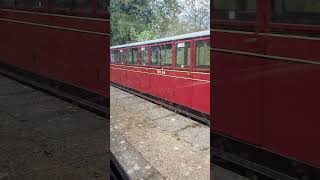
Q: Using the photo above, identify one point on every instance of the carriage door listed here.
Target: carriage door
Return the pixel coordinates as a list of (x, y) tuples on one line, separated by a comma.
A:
[(291, 80), (182, 73), (144, 77), (155, 71), (166, 71), (237, 78)]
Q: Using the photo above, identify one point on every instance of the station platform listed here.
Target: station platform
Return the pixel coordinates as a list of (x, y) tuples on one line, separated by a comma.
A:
[(43, 137), (151, 142)]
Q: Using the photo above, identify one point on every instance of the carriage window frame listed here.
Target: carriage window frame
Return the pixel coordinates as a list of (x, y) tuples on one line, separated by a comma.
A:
[(134, 55), (291, 17), (102, 6), (63, 5), (19, 4), (203, 67), (39, 4), (129, 57), (165, 55), (145, 57), (84, 7), (122, 57), (156, 63), (183, 66), (112, 60), (237, 13), (10, 4)]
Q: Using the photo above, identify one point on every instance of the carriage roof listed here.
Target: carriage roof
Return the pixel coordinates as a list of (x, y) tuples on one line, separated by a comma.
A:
[(166, 39)]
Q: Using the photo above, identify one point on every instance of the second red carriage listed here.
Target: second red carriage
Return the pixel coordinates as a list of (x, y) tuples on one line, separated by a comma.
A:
[(174, 69)]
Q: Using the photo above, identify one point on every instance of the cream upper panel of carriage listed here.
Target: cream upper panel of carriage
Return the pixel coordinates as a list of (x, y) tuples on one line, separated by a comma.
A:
[(167, 39)]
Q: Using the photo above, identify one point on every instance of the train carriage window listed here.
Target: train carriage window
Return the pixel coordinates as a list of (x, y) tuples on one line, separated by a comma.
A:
[(202, 54), (242, 10), (135, 56), (129, 56), (114, 56), (82, 4), (20, 3), (144, 56), (39, 3), (122, 56), (7, 3), (63, 4), (296, 11), (102, 5), (166, 55), (155, 56), (183, 55)]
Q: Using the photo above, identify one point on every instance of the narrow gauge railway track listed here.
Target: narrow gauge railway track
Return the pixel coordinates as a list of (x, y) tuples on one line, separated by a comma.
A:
[(117, 172), (239, 163), (244, 172), (234, 165), (201, 118), (84, 99)]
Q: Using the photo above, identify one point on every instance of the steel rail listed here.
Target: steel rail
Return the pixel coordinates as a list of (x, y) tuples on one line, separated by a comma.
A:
[(117, 172), (242, 171)]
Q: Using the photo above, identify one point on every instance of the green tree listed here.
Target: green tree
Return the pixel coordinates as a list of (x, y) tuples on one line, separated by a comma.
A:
[(196, 14), (139, 20)]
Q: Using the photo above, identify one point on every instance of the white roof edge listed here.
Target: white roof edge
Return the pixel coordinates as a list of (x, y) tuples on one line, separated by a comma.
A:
[(173, 38)]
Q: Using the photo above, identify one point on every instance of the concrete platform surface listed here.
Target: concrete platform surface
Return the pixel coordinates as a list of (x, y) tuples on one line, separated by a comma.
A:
[(43, 137), (171, 146)]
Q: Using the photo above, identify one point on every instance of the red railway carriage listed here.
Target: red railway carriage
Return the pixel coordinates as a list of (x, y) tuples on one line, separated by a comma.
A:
[(175, 69), (266, 91), (64, 40)]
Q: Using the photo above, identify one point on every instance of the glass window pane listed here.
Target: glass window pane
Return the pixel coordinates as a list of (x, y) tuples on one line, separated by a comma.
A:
[(102, 5), (243, 10), (135, 56), (166, 55), (129, 56), (114, 56), (163, 55), (34, 3), (82, 4), (19, 3), (39, 3), (63, 3), (296, 11), (155, 56), (122, 58), (144, 56), (183, 55), (6, 3), (202, 54)]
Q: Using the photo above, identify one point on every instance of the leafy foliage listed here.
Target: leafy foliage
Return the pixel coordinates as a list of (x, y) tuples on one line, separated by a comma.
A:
[(139, 20)]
